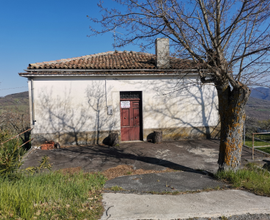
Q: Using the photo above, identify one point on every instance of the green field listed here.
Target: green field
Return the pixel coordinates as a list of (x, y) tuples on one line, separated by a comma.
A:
[(264, 149), (257, 143)]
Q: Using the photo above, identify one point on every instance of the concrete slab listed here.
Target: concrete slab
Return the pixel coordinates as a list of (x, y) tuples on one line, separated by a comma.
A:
[(205, 204), (179, 155), (165, 182)]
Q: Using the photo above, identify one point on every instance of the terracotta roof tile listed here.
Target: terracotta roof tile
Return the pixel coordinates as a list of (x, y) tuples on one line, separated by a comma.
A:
[(107, 63), (109, 60)]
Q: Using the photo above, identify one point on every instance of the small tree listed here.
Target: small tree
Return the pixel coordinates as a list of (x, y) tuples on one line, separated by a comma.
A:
[(230, 38)]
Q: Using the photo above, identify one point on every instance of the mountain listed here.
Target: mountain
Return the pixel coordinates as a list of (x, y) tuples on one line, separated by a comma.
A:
[(260, 93)]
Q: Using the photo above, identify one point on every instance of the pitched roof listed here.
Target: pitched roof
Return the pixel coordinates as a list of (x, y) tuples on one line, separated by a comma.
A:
[(112, 60), (107, 60)]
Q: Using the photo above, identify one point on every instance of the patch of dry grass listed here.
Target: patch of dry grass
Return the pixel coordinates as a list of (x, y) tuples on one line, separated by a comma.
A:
[(125, 170)]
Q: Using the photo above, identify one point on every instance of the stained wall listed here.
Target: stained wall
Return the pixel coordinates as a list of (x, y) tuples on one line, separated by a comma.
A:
[(73, 110)]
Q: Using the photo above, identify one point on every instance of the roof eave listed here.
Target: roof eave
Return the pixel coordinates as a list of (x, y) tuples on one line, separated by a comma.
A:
[(109, 72)]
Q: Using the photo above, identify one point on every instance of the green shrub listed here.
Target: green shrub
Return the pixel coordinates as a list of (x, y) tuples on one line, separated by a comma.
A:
[(10, 158)]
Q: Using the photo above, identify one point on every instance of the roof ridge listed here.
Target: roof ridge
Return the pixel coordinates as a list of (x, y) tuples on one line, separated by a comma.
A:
[(86, 56)]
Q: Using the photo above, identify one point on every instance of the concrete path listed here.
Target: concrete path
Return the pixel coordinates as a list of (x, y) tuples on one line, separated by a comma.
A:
[(205, 204)]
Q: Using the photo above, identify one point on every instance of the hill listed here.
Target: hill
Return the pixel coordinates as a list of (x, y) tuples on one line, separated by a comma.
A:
[(18, 101), (258, 106), (258, 109)]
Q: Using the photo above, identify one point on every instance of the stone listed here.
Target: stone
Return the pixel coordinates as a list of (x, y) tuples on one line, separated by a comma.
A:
[(157, 137), (267, 166), (113, 139)]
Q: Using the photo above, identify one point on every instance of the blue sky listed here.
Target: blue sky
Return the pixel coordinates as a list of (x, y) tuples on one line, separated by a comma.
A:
[(37, 30)]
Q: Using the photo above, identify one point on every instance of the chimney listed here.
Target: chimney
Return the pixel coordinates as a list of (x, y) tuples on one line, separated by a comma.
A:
[(162, 53)]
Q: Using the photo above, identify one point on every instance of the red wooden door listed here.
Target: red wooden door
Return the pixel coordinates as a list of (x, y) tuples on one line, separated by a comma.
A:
[(130, 120)]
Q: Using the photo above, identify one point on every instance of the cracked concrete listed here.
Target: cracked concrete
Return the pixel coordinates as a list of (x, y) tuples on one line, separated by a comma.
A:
[(178, 155), (165, 182), (140, 155), (198, 205)]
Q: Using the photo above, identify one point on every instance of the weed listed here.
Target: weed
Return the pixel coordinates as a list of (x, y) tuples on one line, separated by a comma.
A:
[(44, 164), (175, 193), (251, 178), (116, 188), (217, 188)]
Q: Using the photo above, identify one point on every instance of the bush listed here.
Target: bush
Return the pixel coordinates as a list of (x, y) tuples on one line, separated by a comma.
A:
[(10, 158)]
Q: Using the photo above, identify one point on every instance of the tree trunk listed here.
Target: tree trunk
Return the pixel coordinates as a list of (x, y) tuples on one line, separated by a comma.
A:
[(232, 116)]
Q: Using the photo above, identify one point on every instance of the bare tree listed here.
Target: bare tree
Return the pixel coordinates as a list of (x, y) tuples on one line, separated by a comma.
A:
[(229, 38), (14, 121)]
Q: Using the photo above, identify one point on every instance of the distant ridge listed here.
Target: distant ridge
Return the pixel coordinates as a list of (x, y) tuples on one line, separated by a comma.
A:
[(260, 93), (258, 109), (15, 100)]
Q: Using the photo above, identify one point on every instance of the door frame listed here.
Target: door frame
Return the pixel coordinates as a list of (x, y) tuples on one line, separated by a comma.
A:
[(140, 110)]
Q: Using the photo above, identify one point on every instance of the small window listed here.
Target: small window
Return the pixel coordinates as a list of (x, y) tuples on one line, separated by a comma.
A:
[(130, 95)]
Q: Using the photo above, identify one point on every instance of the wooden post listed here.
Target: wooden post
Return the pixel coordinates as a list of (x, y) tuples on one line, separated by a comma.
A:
[(253, 146), (244, 133)]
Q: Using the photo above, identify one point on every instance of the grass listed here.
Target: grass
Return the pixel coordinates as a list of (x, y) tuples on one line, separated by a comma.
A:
[(257, 143), (262, 110), (52, 196), (252, 178), (264, 149), (116, 188), (248, 142)]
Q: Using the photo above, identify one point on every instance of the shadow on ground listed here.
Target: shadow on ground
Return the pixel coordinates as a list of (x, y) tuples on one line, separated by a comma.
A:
[(185, 155)]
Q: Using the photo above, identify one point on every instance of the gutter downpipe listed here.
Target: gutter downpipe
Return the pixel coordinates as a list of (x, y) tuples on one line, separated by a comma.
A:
[(32, 102), (106, 92)]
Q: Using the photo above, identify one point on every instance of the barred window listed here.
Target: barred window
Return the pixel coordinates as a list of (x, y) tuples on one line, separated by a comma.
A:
[(130, 95)]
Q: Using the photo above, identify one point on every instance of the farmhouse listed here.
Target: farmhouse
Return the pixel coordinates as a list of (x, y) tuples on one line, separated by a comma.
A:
[(82, 100)]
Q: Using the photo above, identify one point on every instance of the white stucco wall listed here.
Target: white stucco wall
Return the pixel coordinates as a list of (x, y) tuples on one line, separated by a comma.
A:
[(78, 104)]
